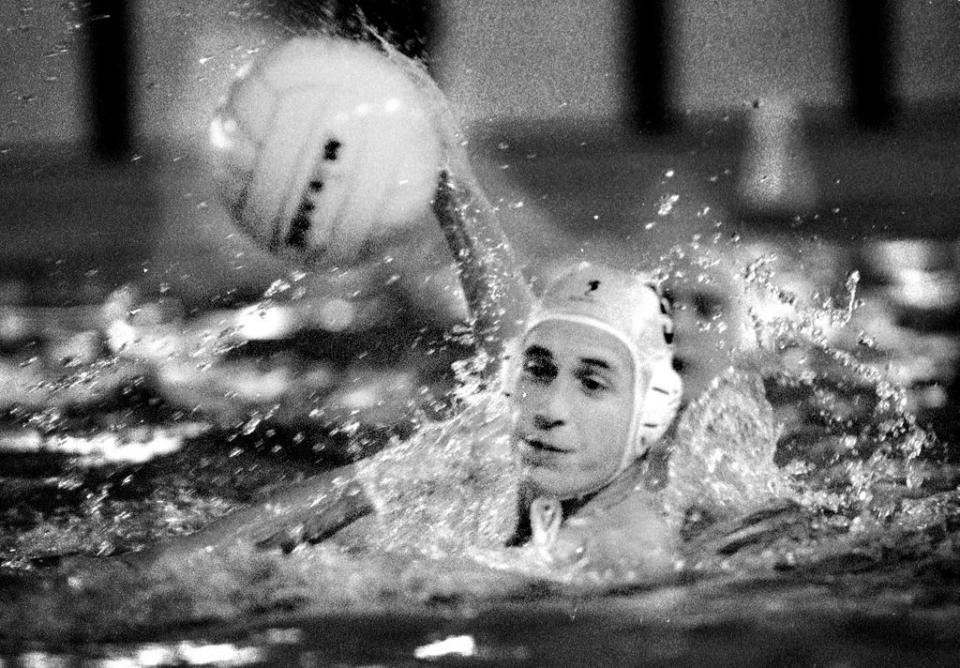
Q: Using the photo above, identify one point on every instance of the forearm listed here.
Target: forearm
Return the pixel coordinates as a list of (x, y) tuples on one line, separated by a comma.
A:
[(305, 512), (497, 295), (336, 503)]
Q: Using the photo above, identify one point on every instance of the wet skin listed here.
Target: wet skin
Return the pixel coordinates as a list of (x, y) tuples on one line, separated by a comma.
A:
[(573, 401)]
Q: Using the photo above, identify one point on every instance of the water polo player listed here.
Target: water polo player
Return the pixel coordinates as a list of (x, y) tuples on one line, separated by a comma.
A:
[(590, 385)]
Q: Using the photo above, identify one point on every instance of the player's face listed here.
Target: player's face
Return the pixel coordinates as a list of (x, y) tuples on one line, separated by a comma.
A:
[(574, 401)]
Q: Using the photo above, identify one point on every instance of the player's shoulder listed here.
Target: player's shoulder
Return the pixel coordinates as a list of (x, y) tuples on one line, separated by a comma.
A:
[(627, 498)]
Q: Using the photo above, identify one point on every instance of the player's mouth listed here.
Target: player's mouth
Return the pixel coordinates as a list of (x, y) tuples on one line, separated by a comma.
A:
[(535, 449)]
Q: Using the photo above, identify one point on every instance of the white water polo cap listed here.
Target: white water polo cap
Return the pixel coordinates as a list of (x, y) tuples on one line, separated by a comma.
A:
[(631, 308)]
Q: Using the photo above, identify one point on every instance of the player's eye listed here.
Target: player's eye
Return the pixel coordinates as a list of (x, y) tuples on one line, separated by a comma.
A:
[(539, 369), (593, 383)]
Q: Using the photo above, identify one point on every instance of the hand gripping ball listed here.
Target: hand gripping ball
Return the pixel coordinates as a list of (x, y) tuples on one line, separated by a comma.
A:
[(326, 147)]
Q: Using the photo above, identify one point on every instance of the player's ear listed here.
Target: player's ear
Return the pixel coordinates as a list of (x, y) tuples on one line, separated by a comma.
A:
[(660, 403)]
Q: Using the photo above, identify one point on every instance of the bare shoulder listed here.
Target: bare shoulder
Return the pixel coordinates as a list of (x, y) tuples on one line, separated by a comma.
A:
[(621, 530)]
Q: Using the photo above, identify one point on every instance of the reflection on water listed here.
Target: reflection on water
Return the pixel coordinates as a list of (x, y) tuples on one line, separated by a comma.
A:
[(656, 629), (182, 653)]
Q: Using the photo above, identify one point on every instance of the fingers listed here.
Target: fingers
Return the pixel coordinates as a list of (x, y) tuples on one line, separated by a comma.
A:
[(284, 540), (324, 524), (287, 539), (311, 532)]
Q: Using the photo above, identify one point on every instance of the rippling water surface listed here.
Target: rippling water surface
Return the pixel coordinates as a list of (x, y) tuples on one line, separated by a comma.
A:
[(819, 528)]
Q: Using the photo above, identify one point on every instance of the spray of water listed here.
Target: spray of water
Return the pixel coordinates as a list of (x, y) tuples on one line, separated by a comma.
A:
[(803, 455), (453, 486), (880, 441)]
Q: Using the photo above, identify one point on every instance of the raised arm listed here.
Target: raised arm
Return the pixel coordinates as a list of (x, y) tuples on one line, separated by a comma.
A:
[(497, 296), (496, 292)]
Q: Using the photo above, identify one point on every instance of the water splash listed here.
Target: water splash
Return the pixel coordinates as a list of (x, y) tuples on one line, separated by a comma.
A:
[(722, 455), (854, 400), (450, 488)]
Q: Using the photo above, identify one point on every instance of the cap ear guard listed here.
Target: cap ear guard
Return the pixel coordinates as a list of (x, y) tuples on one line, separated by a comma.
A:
[(664, 389), (660, 403)]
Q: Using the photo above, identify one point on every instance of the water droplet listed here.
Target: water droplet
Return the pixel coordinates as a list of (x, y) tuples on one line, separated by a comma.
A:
[(277, 287), (251, 425), (666, 204)]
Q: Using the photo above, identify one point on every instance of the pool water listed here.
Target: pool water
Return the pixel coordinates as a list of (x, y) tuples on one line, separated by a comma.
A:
[(722, 621), (857, 565), (130, 419)]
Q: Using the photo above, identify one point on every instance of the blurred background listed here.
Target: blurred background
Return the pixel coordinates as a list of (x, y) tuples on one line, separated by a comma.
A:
[(826, 130), (126, 90)]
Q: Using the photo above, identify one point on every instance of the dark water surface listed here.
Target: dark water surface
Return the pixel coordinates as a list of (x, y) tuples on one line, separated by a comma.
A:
[(752, 621), (101, 455)]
